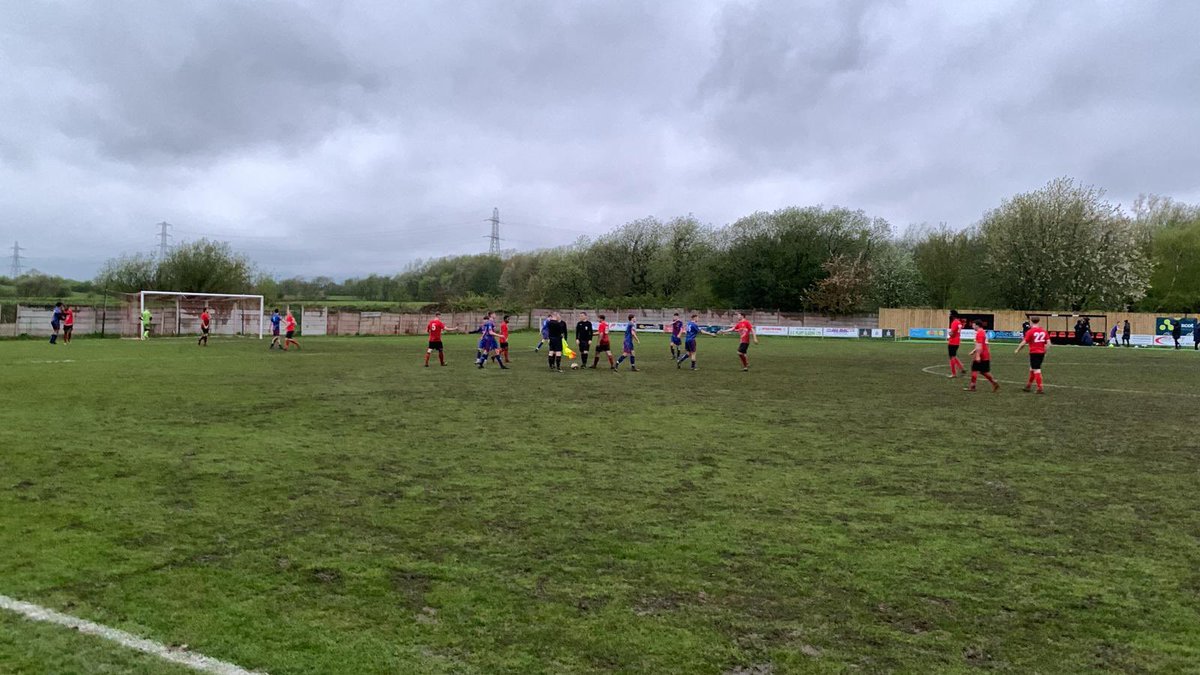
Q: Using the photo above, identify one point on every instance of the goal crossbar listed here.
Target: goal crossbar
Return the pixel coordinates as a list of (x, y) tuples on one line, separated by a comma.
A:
[(179, 295)]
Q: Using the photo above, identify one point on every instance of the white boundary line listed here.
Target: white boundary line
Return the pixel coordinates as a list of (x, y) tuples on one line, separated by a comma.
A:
[(927, 369), (192, 660)]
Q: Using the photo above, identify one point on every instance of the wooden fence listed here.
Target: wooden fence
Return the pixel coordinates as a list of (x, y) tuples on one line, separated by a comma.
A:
[(901, 320)]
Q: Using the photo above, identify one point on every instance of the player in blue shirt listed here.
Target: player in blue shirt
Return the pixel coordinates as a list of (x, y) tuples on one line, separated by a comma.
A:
[(55, 321), (689, 343), (676, 336), (631, 339), (545, 333), (489, 346), (275, 319)]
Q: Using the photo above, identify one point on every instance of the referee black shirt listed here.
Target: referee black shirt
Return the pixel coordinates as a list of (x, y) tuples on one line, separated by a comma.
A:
[(583, 332)]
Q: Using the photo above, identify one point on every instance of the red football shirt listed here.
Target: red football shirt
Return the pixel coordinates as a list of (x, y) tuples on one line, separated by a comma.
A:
[(984, 353), (602, 331), (435, 329), (1036, 337), (70, 320), (204, 319), (289, 323), (744, 328), (955, 335), (504, 332)]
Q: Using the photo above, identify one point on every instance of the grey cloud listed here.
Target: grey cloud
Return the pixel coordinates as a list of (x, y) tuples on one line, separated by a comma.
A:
[(345, 138)]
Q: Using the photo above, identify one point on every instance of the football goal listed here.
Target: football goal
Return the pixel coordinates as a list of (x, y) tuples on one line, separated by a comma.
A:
[(173, 313)]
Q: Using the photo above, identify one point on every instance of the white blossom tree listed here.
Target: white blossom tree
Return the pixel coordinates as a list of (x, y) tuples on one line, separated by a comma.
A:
[(1064, 247)]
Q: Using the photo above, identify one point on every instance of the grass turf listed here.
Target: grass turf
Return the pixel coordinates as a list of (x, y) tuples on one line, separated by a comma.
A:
[(342, 509)]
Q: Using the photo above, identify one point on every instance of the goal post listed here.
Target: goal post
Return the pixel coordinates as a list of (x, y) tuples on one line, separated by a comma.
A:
[(178, 313)]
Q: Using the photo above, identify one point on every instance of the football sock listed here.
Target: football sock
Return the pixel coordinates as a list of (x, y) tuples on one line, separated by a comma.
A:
[(441, 358), (610, 359), (1037, 377), (583, 358), (745, 363), (632, 360), (619, 361), (1032, 377), (974, 376), (426, 358), (550, 361)]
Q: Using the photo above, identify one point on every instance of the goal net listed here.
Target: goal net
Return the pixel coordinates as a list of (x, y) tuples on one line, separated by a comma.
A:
[(173, 314)]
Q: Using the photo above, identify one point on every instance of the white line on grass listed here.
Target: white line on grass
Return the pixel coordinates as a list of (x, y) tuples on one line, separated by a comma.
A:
[(927, 369), (185, 658)]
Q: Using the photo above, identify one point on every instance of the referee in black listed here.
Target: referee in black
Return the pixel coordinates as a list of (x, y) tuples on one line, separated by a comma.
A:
[(583, 337), (556, 331)]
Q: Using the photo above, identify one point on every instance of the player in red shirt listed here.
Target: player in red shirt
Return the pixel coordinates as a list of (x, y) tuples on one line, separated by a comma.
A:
[(504, 339), (289, 328), (982, 359), (744, 329), (205, 325), (434, 328), (1037, 339), (68, 323), (602, 343), (953, 339)]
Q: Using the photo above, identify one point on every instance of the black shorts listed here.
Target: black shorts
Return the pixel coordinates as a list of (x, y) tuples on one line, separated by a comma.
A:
[(503, 345), (981, 366), (204, 330), (743, 347), (584, 345), (67, 329), (435, 345), (1035, 361), (603, 347), (556, 344), (290, 334), (953, 349)]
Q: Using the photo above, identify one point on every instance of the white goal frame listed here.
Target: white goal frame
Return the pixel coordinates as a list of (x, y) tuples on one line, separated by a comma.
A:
[(142, 295)]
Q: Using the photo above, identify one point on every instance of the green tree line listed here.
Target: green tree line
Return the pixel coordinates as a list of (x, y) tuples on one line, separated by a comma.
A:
[(1063, 246)]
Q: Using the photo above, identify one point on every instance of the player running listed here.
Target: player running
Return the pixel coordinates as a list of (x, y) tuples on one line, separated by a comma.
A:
[(289, 328), (602, 344), (689, 344), (631, 339), (1037, 339), (981, 359), (545, 334), (953, 340), (275, 319), (676, 337), (583, 337), (205, 326), (746, 331)]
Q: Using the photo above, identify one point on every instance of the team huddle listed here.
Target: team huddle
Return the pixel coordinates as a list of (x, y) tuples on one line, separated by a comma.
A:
[(493, 341), (1035, 338)]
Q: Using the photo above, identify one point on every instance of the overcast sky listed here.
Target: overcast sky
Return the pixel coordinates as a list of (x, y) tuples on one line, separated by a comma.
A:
[(344, 138)]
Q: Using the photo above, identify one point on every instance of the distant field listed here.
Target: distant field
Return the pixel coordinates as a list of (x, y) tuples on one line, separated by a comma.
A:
[(343, 510)]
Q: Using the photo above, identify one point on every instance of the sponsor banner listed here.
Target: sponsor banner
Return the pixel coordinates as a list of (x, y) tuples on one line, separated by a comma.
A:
[(839, 332), (1167, 340), (649, 328), (1003, 335), (370, 315), (804, 331), (932, 334), (864, 332), (771, 330), (887, 333), (1163, 325), (1141, 340)]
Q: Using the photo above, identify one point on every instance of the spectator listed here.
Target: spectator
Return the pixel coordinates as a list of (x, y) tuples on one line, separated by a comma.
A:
[(1177, 331), (1125, 333)]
